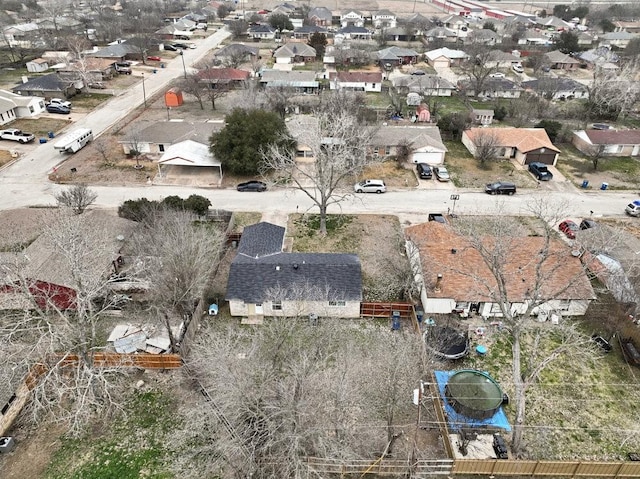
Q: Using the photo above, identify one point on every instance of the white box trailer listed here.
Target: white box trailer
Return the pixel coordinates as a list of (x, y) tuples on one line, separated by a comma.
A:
[(74, 141)]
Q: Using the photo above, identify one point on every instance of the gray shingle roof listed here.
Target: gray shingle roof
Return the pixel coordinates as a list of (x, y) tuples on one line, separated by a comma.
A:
[(50, 82), (116, 51), (168, 132), (559, 84), (261, 239), (295, 276), (236, 49)]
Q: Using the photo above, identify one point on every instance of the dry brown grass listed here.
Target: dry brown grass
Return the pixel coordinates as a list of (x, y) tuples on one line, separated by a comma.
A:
[(393, 173)]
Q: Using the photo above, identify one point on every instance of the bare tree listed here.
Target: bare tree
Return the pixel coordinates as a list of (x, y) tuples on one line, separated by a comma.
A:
[(595, 153), (215, 92), (238, 28), (177, 256), (338, 144), (78, 198), (296, 389), (195, 87), (487, 146), (534, 345), (478, 66), (101, 145), (135, 146), (612, 95)]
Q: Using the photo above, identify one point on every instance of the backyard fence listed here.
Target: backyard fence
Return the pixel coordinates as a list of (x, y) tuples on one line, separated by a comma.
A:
[(385, 310), (385, 467), (498, 467)]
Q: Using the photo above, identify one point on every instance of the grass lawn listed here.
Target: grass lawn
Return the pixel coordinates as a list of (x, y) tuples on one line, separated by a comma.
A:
[(89, 100), (40, 126), (133, 446), (466, 172), (619, 172)]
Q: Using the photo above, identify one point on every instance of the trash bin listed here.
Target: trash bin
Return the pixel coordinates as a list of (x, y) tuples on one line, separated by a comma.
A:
[(419, 315), (43, 140), (162, 65), (395, 320), (481, 350), (604, 186), (155, 70), (585, 183), (51, 134), (7, 444)]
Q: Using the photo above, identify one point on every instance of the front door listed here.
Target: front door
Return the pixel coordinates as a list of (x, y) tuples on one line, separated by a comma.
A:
[(259, 309)]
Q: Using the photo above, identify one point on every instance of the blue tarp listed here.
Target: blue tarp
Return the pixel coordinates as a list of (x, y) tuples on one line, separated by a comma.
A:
[(456, 421)]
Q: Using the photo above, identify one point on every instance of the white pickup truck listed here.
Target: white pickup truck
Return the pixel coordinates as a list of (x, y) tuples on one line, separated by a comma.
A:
[(59, 102), (16, 135)]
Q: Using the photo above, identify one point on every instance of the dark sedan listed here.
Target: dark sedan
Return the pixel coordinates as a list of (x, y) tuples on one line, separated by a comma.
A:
[(63, 110), (252, 186)]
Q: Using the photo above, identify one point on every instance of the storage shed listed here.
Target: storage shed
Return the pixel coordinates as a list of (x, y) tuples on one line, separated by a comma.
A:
[(173, 98)]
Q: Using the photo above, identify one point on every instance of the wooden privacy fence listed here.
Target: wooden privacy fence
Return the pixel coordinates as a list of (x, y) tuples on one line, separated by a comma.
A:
[(385, 310), (498, 467), (393, 467)]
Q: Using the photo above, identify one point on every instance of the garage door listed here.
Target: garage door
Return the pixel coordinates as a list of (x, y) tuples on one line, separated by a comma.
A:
[(440, 63), (546, 158), (434, 158)]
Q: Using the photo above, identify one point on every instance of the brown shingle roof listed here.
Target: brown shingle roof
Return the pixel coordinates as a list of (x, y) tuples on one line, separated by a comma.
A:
[(223, 74), (466, 276), (614, 137), (357, 77), (524, 139)]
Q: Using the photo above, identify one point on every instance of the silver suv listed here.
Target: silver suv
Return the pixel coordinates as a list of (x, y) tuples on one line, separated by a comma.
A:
[(370, 186)]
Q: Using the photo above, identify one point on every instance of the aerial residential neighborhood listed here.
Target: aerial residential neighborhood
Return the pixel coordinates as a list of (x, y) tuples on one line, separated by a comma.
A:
[(296, 240)]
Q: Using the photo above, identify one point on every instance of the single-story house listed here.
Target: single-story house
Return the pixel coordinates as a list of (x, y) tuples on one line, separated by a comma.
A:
[(397, 56), (455, 279), (343, 55), (298, 80), (7, 111), (174, 31), (235, 50), (306, 31), (295, 52), (426, 143), (158, 137), (534, 37), (401, 34), (23, 35), (229, 77), (481, 116), (608, 142), (264, 280), (351, 18), (89, 69), (560, 88), (442, 34), (262, 32), (356, 81), (631, 27), (48, 273), (48, 86), (23, 106), (617, 39), (500, 59), (320, 16), (457, 23), (484, 36), (601, 57), (445, 57), (586, 39), (383, 19), (553, 23), (188, 153), (525, 145), (119, 52), (493, 88), (351, 32), (427, 85), (60, 23), (560, 61)]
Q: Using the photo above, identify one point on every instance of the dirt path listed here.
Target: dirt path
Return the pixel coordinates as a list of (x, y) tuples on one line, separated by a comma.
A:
[(33, 453)]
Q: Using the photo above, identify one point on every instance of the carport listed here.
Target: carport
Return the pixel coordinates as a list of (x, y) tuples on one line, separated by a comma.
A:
[(186, 156)]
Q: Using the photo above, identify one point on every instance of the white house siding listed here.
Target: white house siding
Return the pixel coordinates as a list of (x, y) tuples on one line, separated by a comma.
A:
[(438, 305), (283, 60), (7, 116), (357, 86), (351, 309), (35, 107), (574, 307)]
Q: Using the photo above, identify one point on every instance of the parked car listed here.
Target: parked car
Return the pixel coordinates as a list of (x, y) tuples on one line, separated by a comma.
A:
[(500, 188), (586, 223), (633, 208), (253, 185), (569, 228), (154, 58), (124, 68), (497, 75), (60, 102), (370, 186), (170, 48), (418, 72), (424, 171), (62, 110), (517, 67), (441, 173), (540, 171), (181, 46)]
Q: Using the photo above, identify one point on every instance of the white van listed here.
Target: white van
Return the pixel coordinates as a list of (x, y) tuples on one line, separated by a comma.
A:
[(633, 208), (370, 186)]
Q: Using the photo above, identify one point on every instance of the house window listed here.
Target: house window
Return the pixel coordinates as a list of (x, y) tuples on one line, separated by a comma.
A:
[(563, 304), (161, 148), (30, 109), (338, 303), (387, 150), (373, 85), (613, 148), (502, 152), (495, 308), (276, 305)]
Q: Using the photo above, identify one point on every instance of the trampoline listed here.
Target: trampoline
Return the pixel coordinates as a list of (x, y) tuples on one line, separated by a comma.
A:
[(473, 394), (446, 342)]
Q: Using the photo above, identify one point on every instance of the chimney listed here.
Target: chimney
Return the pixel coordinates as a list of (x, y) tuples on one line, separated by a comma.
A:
[(438, 286), (25, 79)]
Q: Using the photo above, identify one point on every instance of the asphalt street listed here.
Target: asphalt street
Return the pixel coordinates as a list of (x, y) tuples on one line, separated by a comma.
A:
[(25, 183)]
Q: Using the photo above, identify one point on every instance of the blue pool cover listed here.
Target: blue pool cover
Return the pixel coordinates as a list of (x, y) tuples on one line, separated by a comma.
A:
[(457, 421)]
